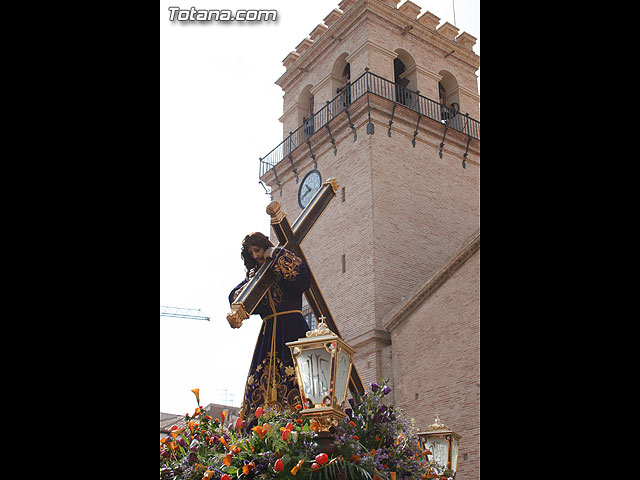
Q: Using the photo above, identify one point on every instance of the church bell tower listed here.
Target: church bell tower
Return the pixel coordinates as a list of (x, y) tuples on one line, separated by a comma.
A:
[(385, 100)]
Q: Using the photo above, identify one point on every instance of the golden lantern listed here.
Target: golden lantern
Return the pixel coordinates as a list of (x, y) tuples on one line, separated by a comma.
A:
[(323, 363), (443, 445)]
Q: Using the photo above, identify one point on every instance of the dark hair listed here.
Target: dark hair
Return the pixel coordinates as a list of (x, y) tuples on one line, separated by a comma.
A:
[(259, 240)]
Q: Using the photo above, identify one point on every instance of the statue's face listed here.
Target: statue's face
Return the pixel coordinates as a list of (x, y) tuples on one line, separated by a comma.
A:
[(257, 253)]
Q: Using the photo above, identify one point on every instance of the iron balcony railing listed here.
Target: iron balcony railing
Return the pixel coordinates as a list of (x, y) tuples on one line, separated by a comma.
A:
[(369, 82)]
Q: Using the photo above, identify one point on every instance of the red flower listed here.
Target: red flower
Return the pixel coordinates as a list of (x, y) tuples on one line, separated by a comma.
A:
[(286, 434), (315, 466), (225, 477), (278, 467), (322, 458), (259, 412), (298, 407), (352, 423), (289, 426)]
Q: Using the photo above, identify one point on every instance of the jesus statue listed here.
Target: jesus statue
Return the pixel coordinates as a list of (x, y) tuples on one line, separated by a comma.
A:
[(271, 381)]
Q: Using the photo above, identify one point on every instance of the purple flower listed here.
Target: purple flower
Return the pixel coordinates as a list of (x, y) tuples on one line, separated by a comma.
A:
[(374, 387), (386, 390)]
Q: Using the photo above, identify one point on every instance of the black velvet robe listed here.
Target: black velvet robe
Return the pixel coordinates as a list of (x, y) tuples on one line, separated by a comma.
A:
[(271, 380)]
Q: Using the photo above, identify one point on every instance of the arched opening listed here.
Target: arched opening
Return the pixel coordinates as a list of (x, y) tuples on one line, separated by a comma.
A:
[(341, 83), (449, 97), (305, 111), (405, 78)]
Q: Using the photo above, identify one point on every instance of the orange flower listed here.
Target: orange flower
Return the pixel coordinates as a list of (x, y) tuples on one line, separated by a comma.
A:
[(196, 392), (227, 459), (176, 432), (198, 411), (299, 421), (259, 431), (298, 407), (207, 417), (354, 458), (193, 426), (356, 438), (295, 469), (223, 441), (223, 414), (208, 475), (265, 428), (352, 423), (247, 468)]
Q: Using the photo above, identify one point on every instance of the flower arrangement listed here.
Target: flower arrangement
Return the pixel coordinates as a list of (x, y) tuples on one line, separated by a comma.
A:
[(374, 442)]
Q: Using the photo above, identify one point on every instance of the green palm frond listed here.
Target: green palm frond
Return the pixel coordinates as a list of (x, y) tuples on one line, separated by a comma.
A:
[(343, 470)]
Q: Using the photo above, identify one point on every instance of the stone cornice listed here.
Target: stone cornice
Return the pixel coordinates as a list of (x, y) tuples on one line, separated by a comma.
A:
[(324, 81), (469, 93), (470, 247), (376, 335), (369, 45)]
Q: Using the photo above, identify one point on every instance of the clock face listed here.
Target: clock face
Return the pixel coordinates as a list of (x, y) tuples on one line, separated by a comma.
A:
[(310, 185)]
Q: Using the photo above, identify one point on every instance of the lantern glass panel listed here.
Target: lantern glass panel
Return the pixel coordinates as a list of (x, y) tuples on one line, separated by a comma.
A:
[(440, 449), (342, 376), (315, 371), (454, 455)]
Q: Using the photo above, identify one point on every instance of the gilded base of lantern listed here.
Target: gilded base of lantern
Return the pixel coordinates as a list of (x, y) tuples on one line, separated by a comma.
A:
[(326, 417)]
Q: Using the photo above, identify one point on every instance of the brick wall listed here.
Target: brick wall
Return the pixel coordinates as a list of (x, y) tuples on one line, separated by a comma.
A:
[(436, 361)]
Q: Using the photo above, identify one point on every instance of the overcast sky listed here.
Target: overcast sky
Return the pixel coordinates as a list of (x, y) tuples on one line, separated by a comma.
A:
[(219, 110)]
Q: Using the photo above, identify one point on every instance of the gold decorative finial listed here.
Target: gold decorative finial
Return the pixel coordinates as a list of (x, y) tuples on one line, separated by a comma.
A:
[(437, 425), (321, 329)]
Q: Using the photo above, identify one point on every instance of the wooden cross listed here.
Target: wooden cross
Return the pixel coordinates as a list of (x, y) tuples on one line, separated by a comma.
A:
[(290, 238)]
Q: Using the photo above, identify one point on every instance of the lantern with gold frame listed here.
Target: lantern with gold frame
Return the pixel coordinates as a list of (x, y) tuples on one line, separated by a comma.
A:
[(442, 444), (323, 363)]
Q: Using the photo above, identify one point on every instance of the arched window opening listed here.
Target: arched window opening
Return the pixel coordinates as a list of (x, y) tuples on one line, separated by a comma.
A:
[(404, 76), (449, 97), (340, 85), (345, 90), (305, 111)]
